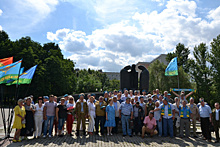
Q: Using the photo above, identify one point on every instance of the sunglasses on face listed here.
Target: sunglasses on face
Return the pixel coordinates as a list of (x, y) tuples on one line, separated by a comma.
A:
[(71, 99)]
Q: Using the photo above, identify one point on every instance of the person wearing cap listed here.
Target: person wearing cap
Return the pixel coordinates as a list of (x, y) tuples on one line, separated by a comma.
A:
[(216, 121), (125, 96), (100, 115), (138, 114), (126, 114), (116, 105), (149, 125), (195, 113), (154, 98), (49, 114), (144, 92), (168, 115), (70, 114), (170, 100), (149, 106), (61, 115), (38, 117), (91, 108), (46, 98), (157, 116), (66, 97), (185, 114), (205, 114), (81, 111), (106, 97), (115, 92)]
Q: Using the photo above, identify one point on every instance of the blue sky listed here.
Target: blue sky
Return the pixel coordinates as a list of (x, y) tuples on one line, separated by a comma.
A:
[(110, 34)]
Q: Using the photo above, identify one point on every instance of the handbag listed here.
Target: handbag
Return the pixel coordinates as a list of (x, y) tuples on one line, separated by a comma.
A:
[(24, 121), (211, 128)]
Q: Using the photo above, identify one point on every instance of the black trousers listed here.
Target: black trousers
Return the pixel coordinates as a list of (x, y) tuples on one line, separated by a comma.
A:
[(216, 127), (137, 125), (115, 129), (205, 127), (101, 120)]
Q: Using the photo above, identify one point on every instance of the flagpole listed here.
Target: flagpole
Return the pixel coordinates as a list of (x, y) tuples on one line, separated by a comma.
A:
[(12, 112)]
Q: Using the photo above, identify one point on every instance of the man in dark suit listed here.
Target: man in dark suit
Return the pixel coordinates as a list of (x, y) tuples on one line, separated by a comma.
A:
[(215, 121)]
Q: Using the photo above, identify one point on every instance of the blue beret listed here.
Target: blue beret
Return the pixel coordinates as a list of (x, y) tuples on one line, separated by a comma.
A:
[(169, 94), (166, 99), (93, 94), (65, 95), (105, 92), (125, 89), (46, 97), (144, 91), (153, 96), (119, 90)]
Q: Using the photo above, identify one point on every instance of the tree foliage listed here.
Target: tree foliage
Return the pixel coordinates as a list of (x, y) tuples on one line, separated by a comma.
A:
[(158, 80), (182, 54)]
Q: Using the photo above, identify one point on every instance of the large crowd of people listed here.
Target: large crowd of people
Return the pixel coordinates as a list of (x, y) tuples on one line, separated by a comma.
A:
[(135, 113)]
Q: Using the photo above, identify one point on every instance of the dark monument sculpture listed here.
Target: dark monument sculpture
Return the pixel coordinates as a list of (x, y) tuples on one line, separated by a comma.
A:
[(129, 78)]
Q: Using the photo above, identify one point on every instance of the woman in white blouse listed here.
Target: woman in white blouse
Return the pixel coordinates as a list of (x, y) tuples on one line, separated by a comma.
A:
[(91, 107), (38, 117)]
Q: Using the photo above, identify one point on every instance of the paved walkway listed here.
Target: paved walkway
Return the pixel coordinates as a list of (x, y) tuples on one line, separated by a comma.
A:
[(109, 141)]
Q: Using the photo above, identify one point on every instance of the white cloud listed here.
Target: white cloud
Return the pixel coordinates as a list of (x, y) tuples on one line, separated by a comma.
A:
[(0, 28), (1, 12), (29, 13), (141, 38)]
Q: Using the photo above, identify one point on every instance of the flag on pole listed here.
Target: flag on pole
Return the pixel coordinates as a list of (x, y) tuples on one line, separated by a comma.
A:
[(10, 72), (6, 61), (21, 70), (172, 68), (26, 77)]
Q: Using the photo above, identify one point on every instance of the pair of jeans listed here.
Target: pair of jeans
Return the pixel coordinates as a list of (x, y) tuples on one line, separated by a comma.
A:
[(61, 122), (159, 127), (125, 124), (51, 119), (168, 126), (101, 120)]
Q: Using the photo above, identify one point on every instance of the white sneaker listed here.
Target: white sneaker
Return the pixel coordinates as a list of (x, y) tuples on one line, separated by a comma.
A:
[(44, 136), (111, 134), (50, 136), (108, 134)]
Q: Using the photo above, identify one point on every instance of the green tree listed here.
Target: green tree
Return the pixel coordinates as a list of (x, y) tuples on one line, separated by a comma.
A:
[(215, 62), (200, 72), (158, 80)]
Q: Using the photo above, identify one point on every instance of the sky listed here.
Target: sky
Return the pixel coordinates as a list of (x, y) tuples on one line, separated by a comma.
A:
[(111, 34)]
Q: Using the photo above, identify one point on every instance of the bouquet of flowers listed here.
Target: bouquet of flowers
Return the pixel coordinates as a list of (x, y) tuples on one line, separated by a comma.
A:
[(71, 110)]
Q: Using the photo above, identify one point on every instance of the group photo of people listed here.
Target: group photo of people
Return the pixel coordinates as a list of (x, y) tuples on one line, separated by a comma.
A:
[(129, 113)]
